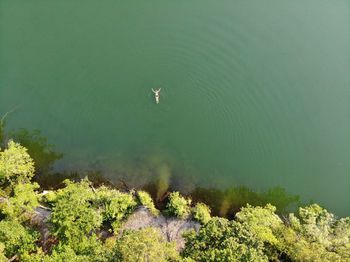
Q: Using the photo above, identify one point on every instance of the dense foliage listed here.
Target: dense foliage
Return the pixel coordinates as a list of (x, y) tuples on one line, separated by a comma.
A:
[(113, 205), (85, 225), (201, 213), (15, 164), (2, 254), (17, 239), (221, 240), (316, 235), (73, 216), (178, 206), (146, 200), (258, 234), (23, 198), (145, 245)]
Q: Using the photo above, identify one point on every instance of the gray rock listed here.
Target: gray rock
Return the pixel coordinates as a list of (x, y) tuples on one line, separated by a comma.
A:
[(171, 228), (38, 219)]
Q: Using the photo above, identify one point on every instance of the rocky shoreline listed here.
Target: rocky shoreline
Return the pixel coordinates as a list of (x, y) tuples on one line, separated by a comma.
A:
[(171, 228)]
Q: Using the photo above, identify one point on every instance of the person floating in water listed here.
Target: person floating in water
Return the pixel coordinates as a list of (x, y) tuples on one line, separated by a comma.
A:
[(156, 92)]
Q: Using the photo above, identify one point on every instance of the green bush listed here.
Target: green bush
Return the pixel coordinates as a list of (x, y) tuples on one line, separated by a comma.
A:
[(50, 198), (178, 205), (91, 249), (145, 245), (258, 234), (186, 259), (120, 206), (115, 206), (15, 164), (24, 199), (3, 258), (94, 251), (64, 253), (73, 216), (147, 201), (316, 235), (17, 239), (201, 213), (265, 225), (221, 240)]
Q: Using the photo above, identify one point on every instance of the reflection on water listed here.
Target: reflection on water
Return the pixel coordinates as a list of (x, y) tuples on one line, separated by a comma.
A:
[(222, 202), (227, 202), (43, 153)]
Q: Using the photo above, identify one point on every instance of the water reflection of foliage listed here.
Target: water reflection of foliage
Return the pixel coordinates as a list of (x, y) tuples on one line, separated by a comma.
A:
[(55, 180), (158, 173), (136, 171), (155, 173), (227, 202), (43, 153)]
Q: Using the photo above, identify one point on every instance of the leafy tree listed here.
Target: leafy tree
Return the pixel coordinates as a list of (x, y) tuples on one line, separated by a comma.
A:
[(2, 255), (24, 199), (73, 216), (92, 249), (15, 164), (201, 213), (265, 225), (186, 259), (221, 240), (178, 205), (144, 245), (106, 251), (95, 252), (315, 223), (147, 201), (116, 206), (316, 235), (50, 198), (17, 239), (37, 256), (16, 171), (64, 253)]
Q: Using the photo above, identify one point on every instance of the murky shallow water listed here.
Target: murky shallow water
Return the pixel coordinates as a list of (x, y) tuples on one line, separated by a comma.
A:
[(254, 93)]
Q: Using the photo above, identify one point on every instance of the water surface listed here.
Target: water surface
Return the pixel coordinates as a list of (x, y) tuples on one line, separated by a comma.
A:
[(254, 93)]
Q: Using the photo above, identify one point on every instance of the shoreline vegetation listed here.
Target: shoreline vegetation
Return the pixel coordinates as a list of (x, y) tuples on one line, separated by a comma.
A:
[(223, 203), (87, 223), (90, 219)]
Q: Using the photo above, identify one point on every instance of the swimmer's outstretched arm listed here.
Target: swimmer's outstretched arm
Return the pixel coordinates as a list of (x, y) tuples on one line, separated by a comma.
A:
[(153, 90), (159, 89)]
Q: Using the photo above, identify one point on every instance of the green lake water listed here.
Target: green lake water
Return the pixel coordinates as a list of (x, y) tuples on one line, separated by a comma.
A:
[(254, 93)]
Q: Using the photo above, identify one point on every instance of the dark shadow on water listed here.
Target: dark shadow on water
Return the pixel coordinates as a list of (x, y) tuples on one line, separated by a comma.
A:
[(225, 203), (55, 180), (43, 153)]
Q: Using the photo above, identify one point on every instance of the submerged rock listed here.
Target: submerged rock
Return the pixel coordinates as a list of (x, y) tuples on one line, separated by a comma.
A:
[(171, 228)]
